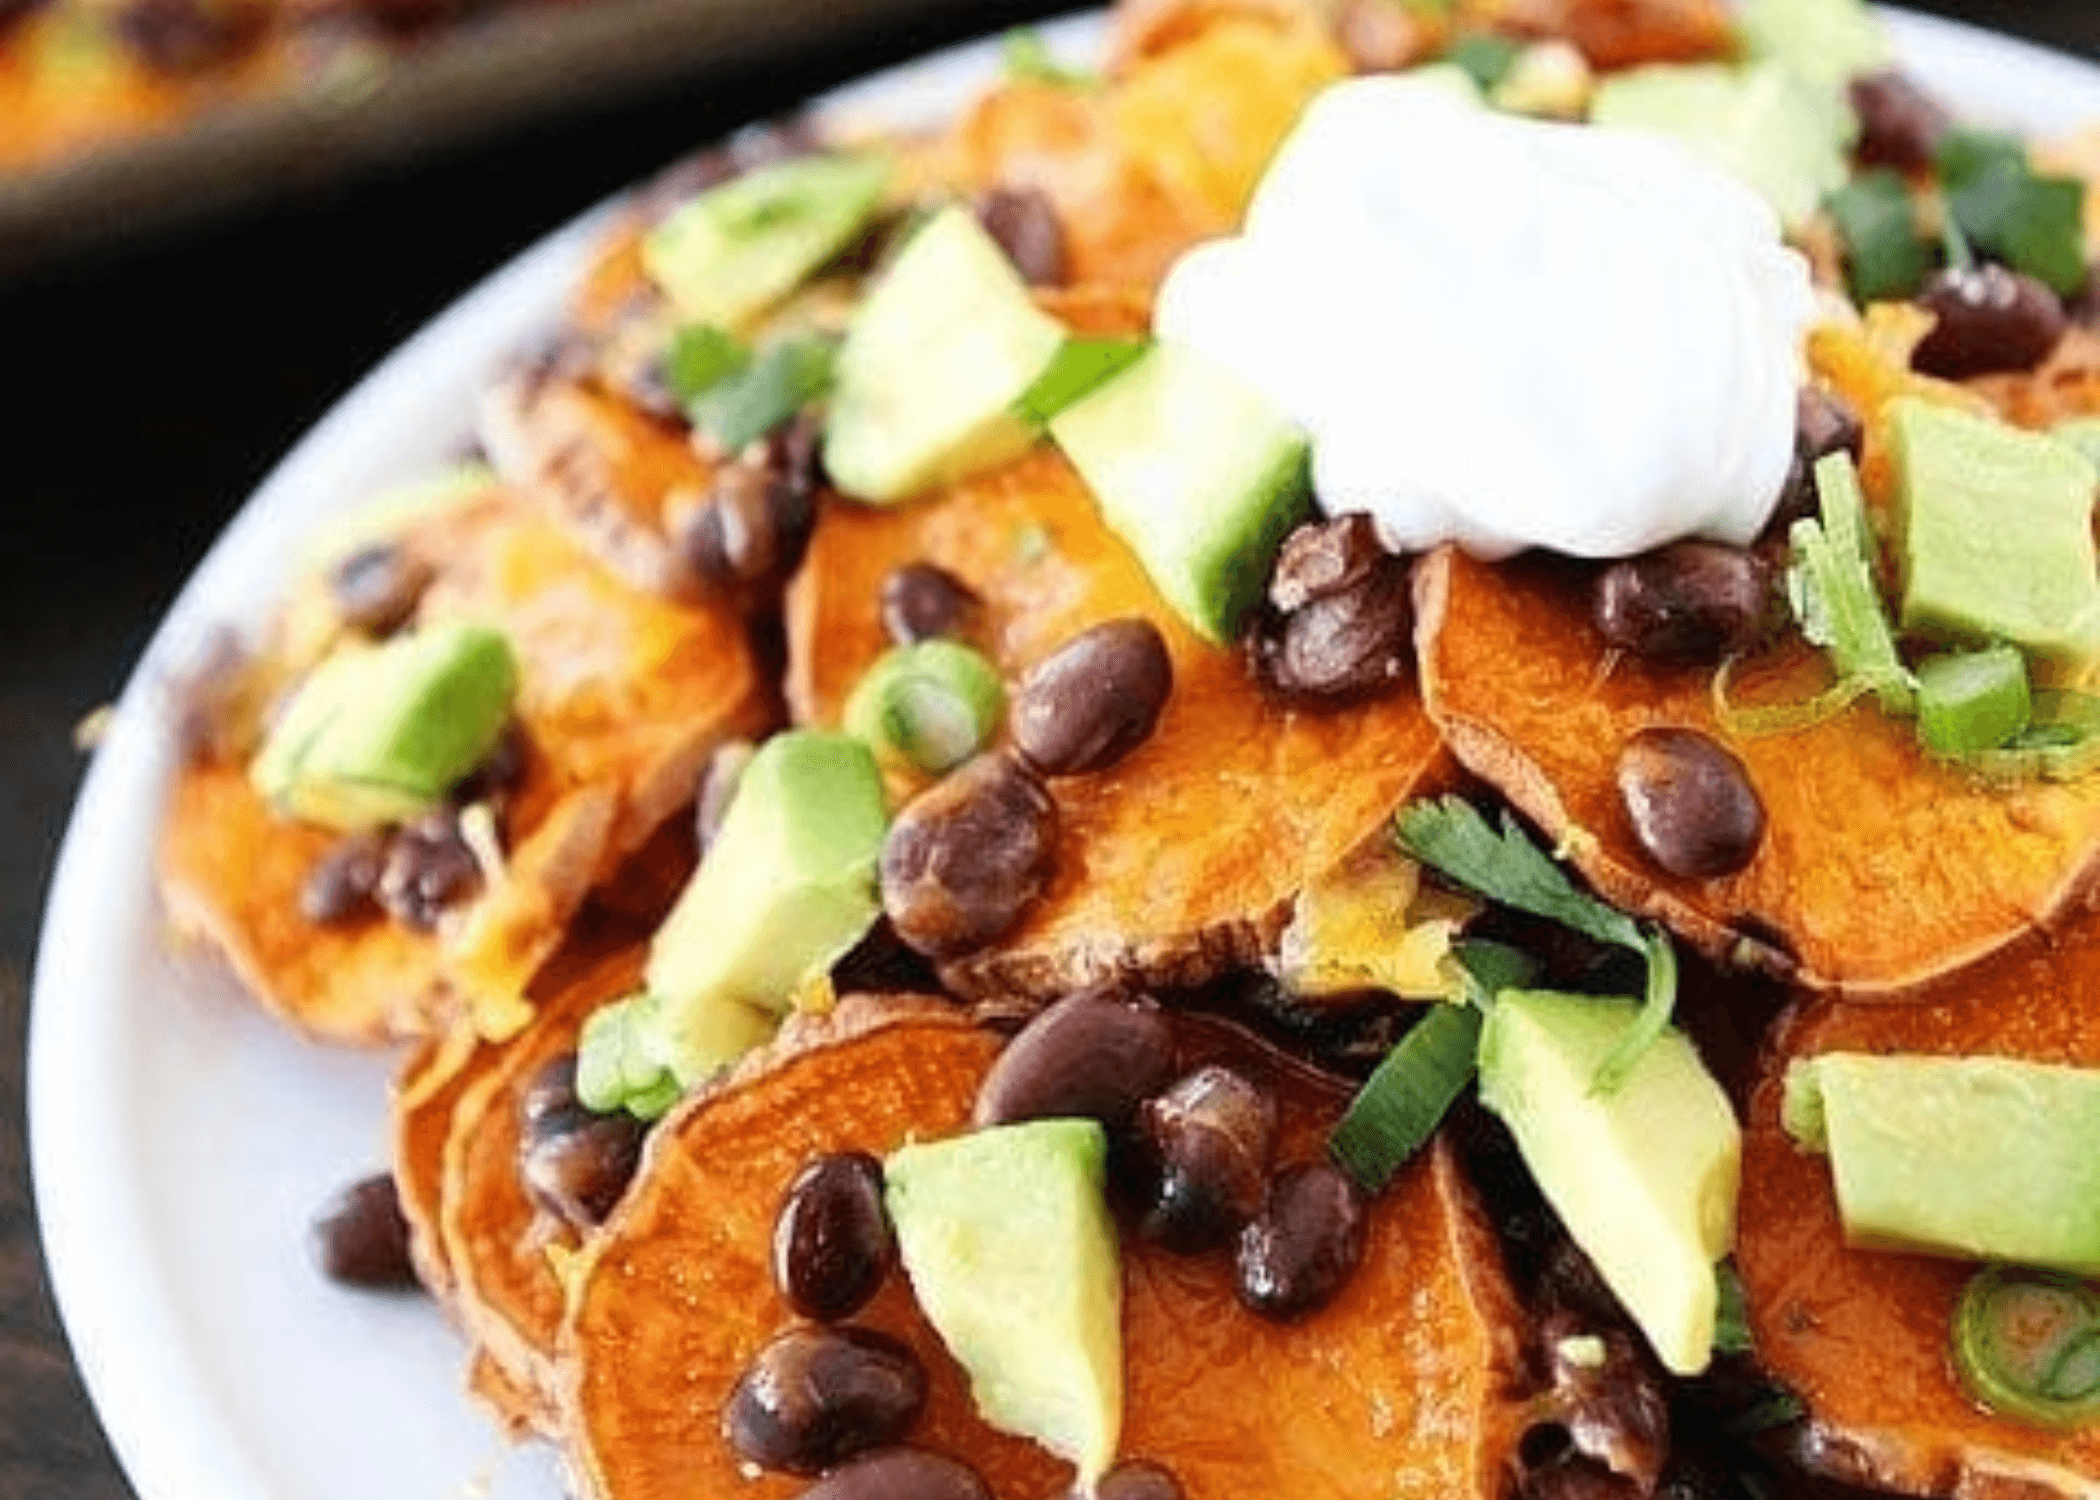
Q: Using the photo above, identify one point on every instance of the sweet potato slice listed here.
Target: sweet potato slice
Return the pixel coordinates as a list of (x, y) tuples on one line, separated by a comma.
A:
[(1618, 33), (621, 697), (1401, 1387), (1183, 860), (498, 1243), (1879, 869), (1862, 1336)]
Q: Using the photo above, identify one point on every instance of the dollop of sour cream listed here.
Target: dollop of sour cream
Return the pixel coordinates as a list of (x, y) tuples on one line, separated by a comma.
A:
[(1509, 333)]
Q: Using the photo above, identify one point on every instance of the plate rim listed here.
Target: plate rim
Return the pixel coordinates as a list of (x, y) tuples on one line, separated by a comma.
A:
[(171, 1442)]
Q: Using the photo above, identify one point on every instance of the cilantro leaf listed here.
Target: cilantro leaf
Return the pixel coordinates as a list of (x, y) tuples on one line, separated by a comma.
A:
[(700, 355), (2035, 224), (749, 402), (1885, 256)]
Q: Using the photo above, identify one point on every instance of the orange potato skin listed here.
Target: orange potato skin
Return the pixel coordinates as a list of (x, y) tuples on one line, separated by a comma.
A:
[(1879, 868), (1862, 1336), (1182, 860), (1400, 1387)]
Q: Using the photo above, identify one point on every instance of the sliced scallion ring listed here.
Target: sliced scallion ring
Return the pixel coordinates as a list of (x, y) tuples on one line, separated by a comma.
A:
[(1401, 1103), (2027, 1345)]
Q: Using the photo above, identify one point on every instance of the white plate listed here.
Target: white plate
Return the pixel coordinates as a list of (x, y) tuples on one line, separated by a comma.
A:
[(180, 1141)]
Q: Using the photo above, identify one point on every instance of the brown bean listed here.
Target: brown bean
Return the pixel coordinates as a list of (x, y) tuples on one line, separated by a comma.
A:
[(576, 1164), (361, 1237), (1824, 423), (1209, 1136), (1687, 602), (1343, 647), (1091, 1055), (550, 1092), (1323, 558), (500, 770), (1133, 1479), (900, 1474), (428, 868), (832, 1243), (1024, 222), (817, 1396), (1900, 125), (343, 884), (922, 601), (1990, 320), (1304, 1246), (1691, 803), (749, 535), (718, 783), (376, 589), (1612, 1407), (966, 856), (1094, 699)]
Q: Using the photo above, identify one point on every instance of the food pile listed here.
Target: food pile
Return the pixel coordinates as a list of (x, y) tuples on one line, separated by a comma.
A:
[(963, 929)]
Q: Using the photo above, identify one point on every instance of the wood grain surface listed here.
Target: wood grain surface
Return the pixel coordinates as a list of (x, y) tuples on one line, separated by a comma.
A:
[(153, 384)]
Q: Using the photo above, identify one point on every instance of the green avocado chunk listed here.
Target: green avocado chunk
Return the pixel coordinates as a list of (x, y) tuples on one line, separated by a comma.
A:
[(936, 360), (1979, 1158), (1972, 700), (1199, 473), (377, 735), (734, 251), (786, 888), (1996, 529), (1006, 1236), (1825, 42), (1644, 1177)]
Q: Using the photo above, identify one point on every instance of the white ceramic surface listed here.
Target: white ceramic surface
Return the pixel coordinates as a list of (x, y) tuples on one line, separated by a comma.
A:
[(180, 1141)]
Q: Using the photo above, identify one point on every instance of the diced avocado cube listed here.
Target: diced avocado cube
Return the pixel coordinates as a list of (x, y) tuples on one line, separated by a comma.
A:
[(786, 888), (1006, 1236), (1996, 529), (1199, 473), (935, 362), (1772, 130), (1644, 1177), (378, 735), (1972, 700), (1978, 1158), (737, 249)]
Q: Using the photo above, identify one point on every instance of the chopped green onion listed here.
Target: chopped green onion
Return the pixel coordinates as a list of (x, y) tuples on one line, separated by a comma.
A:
[(1485, 57), (1027, 58), (1885, 256), (1765, 719), (618, 1062), (1400, 1104), (2060, 743), (1972, 700), (1077, 368), (1732, 1316), (700, 356), (1830, 584), (746, 404), (1451, 837), (931, 705), (2027, 1345)]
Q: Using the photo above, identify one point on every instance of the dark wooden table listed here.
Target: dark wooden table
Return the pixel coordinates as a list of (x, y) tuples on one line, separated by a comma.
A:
[(153, 385)]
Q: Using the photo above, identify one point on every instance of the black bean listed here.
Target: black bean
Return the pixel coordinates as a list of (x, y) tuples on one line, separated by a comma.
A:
[(1089, 1055), (1687, 602), (343, 885), (1024, 222), (1990, 320), (1323, 558), (500, 770), (1691, 803), (1094, 699), (1824, 423), (1304, 1246), (377, 588), (1609, 1400), (1133, 1479), (548, 1097), (817, 1396), (186, 36), (361, 1237), (428, 868), (1569, 1476), (575, 1164), (1343, 647), (967, 855), (832, 1244), (718, 783), (921, 601), (1210, 1136), (900, 1474), (1900, 125), (749, 534)]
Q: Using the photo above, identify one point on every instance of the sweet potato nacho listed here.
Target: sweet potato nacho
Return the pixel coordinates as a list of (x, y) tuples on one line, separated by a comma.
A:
[(1354, 755)]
